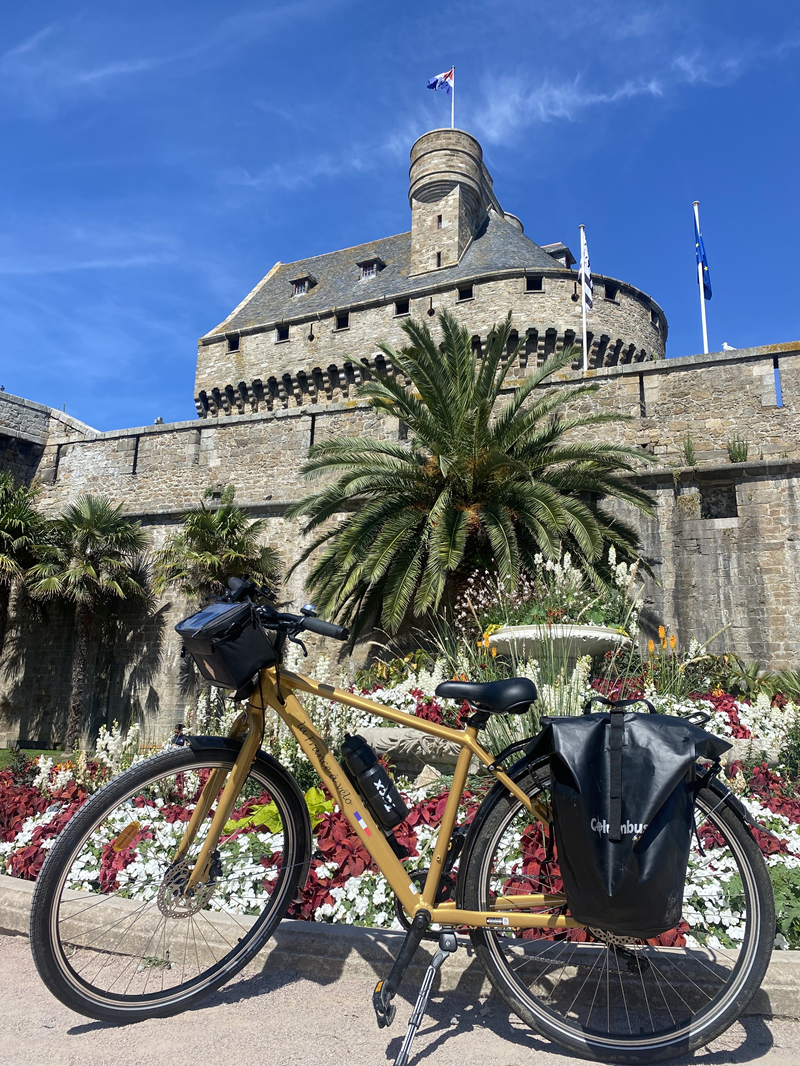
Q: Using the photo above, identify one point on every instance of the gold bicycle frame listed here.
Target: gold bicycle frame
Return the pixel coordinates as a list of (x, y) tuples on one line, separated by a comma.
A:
[(278, 688)]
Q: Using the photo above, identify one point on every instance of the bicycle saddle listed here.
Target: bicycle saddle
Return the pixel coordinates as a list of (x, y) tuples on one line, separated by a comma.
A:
[(513, 696)]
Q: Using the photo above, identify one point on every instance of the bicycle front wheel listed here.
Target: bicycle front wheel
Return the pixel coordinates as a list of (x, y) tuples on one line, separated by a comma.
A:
[(113, 934), (619, 999)]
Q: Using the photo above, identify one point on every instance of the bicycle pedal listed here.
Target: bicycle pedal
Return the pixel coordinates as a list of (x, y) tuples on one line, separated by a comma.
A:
[(384, 1011)]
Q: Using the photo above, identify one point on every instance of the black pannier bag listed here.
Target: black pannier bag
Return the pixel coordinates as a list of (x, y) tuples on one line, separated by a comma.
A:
[(227, 642), (623, 787)]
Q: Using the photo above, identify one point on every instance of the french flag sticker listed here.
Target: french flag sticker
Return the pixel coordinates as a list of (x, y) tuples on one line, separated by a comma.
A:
[(363, 824)]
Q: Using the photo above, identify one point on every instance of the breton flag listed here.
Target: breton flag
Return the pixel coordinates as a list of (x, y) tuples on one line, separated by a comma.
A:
[(700, 252), (585, 273), (444, 81)]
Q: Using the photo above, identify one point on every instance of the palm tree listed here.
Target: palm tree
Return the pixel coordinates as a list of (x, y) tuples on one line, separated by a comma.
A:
[(479, 483), (212, 545), (21, 528), (93, 559)]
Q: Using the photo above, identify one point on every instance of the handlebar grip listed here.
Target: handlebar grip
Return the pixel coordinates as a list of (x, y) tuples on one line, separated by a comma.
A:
[(326, 629)]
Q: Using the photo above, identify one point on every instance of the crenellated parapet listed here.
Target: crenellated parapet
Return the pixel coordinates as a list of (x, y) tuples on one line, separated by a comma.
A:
[(629, 330)]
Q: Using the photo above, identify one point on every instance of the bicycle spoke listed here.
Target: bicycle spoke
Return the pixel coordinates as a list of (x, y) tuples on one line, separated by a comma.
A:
[(597, 991)]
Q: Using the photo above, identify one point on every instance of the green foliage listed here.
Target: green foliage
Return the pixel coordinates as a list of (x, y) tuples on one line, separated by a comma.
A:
[(92, 555), (786, 886), (21, 528), (267, 814), (392, 671), (737, 449), (688, 450), (213, 544), (787, 682), (790, 752), (16, 759), (482, 481)]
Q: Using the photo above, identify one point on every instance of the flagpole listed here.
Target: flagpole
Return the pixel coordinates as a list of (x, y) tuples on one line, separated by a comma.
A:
[(583, 309), (453, 101), (696, 206)]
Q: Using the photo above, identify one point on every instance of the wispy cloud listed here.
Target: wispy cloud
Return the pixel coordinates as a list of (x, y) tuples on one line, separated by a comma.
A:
[(511, 105), (516, 100), (304, 171), (29, 43), (43, 80), (15, 267)]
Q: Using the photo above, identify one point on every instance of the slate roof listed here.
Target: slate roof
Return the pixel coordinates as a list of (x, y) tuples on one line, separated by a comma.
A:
[(498, 246)]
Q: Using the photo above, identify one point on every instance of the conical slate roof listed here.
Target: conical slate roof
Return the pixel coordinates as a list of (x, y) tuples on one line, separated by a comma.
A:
[(337, 280)]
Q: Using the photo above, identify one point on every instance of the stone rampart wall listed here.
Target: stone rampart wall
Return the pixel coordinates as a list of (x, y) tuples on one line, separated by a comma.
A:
[(739, 572), (723, 544), (713, 399)]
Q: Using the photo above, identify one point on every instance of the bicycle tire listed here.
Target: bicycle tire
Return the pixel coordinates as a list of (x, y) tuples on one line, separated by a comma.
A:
[(112, 935), (633, 1002)]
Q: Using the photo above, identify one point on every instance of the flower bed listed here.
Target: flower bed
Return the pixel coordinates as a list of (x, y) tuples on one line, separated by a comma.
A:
[(37, 800), (343, 884)]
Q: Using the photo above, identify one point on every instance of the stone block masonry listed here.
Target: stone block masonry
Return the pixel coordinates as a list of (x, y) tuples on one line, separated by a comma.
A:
[(724, 543), (321, 363)]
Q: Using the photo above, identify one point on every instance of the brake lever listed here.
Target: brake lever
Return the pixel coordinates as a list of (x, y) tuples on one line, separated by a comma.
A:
[(296, 640)]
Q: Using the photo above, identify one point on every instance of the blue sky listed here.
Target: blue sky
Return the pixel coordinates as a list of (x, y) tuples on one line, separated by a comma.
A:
[(158, 158)]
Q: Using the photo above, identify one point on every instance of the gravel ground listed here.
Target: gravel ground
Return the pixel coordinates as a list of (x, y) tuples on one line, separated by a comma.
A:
[(279, 1019)]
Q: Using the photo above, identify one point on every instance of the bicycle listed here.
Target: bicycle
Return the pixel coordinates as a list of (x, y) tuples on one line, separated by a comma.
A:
[(175, 874)]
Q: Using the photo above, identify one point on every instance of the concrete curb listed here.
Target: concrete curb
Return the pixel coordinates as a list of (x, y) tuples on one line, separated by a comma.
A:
[(323, 952)]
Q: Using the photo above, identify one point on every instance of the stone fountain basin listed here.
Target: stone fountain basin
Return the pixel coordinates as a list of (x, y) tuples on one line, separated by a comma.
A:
[(567, 641)]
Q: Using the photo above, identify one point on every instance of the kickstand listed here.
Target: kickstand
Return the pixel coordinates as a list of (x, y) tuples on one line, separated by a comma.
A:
[(447, 945)]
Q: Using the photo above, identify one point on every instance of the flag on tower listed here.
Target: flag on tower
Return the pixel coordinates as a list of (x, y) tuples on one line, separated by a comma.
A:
[(700, 252), (585, 273), (444, 81)]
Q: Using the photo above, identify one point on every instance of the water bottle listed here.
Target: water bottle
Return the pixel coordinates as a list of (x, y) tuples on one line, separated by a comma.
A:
[(373, 782)]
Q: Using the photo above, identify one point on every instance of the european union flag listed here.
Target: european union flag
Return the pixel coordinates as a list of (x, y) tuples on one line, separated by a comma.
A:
[(700, 250)]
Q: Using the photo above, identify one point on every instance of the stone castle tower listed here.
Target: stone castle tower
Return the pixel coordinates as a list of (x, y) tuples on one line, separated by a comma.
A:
[(308, 330)]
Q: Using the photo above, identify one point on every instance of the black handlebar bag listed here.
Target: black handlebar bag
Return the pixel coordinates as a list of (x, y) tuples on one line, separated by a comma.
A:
[(623, 787), (227, 643)]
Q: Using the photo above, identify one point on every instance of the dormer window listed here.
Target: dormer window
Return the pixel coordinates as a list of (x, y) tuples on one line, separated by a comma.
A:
[(303, 284), (370, 268)]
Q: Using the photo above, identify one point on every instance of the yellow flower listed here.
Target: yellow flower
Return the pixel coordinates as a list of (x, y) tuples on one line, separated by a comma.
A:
[(661, 632), (651, 646), (494, 652), (673, 640), (664, 642)]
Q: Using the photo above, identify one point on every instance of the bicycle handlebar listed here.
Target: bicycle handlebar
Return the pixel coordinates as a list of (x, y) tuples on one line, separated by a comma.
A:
[(243, 588), (326, 629), (298, 622)]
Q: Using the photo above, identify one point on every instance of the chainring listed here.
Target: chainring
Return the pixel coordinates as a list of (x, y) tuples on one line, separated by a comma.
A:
[(447, 887)]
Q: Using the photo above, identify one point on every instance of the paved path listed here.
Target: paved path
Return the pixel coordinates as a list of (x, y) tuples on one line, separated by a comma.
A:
[(278, 1018)]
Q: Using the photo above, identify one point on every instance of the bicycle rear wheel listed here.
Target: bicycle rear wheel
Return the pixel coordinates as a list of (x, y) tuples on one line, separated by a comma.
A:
[(620, 999), (112, 934)]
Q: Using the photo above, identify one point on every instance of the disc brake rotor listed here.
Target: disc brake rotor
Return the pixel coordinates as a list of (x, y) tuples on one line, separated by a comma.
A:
[(172, 900)]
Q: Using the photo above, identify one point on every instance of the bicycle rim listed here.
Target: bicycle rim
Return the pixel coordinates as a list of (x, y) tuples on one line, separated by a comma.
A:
[(626, 999), (113, 933)]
